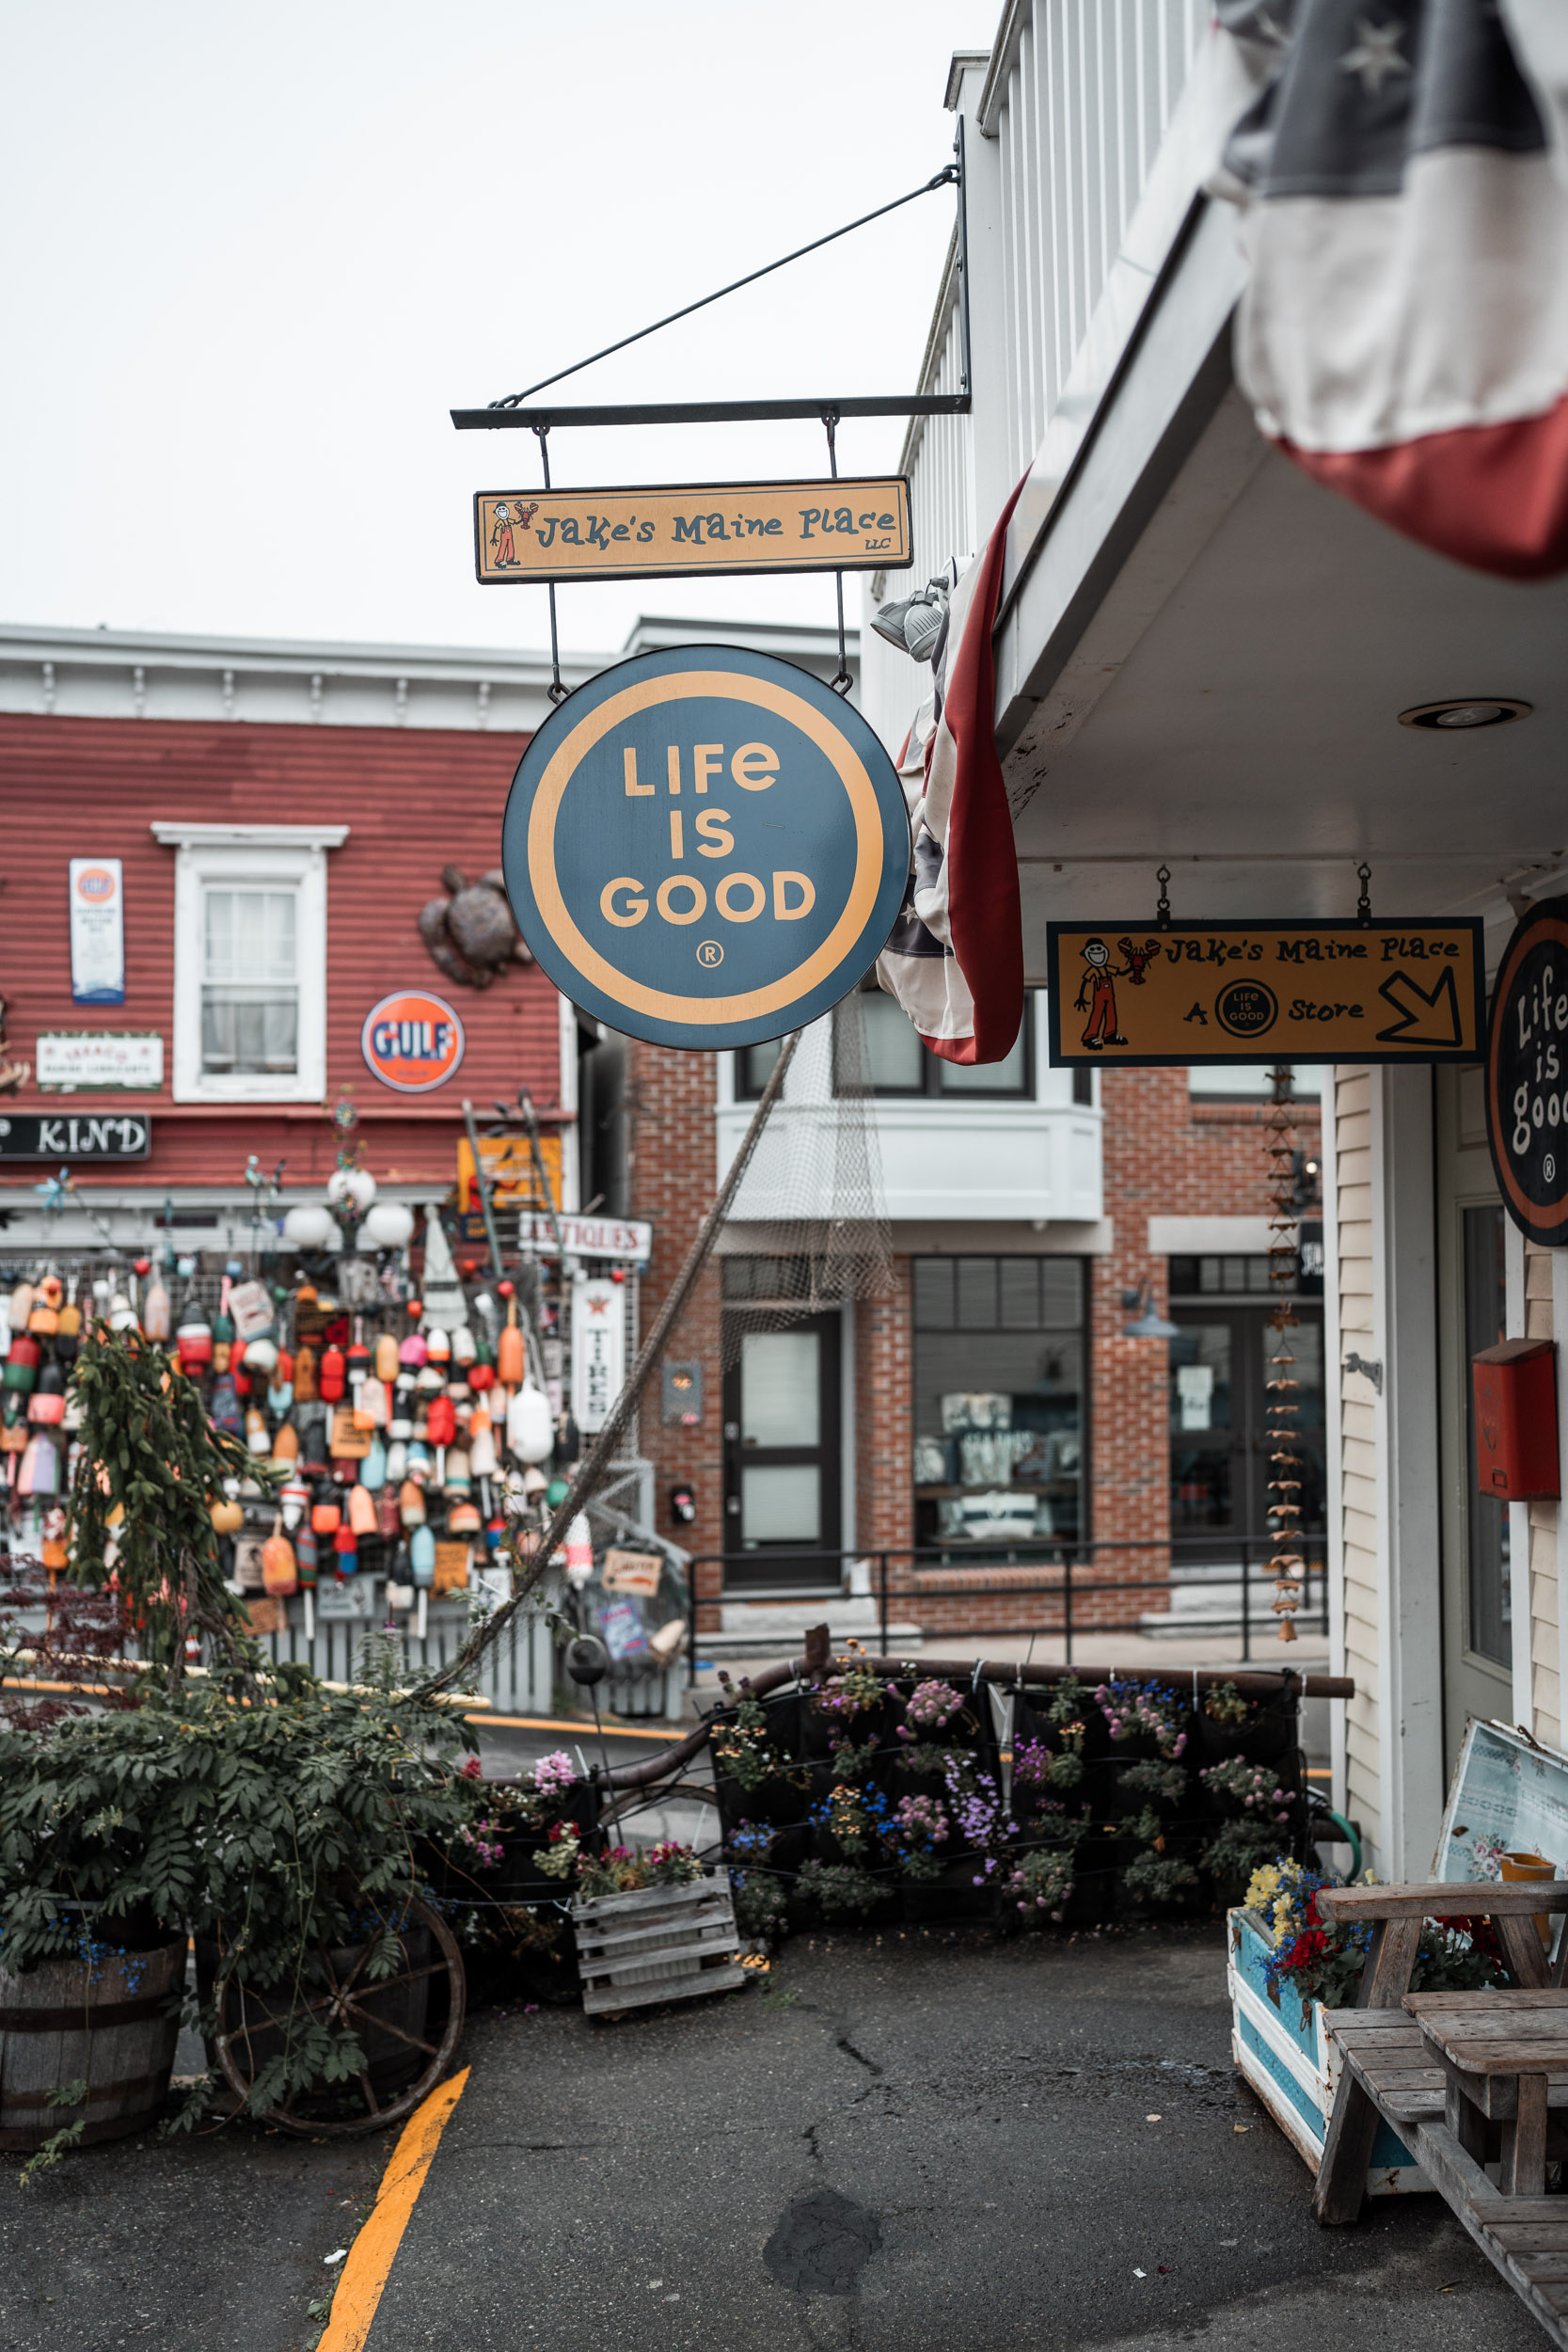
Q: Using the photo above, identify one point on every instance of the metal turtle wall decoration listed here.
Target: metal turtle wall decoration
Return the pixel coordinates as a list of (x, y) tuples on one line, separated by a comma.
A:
[(471, 935)]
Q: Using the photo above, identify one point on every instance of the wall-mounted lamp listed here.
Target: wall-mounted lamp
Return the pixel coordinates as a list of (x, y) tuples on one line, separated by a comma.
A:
[(1146, 1323)]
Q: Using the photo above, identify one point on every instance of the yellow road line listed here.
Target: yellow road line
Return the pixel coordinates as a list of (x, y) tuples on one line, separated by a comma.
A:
[(369, 2258)]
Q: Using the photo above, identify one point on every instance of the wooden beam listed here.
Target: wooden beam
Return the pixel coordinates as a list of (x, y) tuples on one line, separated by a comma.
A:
[(1455, 1900)]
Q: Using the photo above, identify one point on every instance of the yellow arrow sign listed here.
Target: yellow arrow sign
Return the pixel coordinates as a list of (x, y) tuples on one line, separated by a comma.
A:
[(1208, 993), (1426, 1016)]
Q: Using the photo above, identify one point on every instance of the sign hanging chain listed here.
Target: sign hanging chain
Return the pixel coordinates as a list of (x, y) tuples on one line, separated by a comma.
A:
[(1162, 905), (1364, 904), (841, 681), (557, 691)]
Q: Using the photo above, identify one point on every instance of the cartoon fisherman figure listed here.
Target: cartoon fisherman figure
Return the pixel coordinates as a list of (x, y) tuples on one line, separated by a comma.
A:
[(1101, 1028), (501, 538)]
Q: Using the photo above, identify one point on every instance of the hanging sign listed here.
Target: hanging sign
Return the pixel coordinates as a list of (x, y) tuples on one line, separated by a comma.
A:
[(97, 931), (598, 1351), (1209, 993), (107, 1061), (412, 1041), (706, 847), (1527, 1074), (118, 1135), (712, 527)]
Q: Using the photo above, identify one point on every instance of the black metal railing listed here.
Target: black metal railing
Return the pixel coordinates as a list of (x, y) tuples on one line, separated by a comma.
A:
[(1072, 1603)]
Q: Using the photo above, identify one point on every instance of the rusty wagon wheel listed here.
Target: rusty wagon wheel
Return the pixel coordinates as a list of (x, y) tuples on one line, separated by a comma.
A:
[(370, 2008)]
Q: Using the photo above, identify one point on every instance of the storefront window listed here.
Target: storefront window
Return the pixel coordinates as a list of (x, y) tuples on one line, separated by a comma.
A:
[(1000, 1390)]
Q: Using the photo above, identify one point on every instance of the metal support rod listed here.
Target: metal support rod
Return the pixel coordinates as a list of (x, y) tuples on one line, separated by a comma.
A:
[(602, 1451), (965, 378), (940, 179), (604, 1752), (841, 681), (525, 1104), (482, 1186), (714, 411), (555, 689)]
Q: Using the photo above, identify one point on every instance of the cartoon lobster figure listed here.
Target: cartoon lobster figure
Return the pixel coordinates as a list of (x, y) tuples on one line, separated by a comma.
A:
[(500, 537), (1138, 959)]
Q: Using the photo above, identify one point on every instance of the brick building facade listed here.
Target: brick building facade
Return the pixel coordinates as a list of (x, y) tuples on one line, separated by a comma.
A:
[(1183, 1231)]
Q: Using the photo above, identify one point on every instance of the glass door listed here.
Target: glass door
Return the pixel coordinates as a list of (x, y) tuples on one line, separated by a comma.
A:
[(1478, 1626), (1219, 1368), (781, 1471)]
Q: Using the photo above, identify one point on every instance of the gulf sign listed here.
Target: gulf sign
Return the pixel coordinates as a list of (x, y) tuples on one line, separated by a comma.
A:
[(95, 884), (706, 847), (412, 1041)]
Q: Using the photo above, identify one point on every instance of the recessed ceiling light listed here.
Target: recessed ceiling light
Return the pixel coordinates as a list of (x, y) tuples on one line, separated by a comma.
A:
[(1493, 713)]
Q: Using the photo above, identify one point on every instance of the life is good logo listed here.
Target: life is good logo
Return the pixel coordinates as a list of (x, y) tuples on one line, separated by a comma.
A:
[(412, 1041), (704, 847)]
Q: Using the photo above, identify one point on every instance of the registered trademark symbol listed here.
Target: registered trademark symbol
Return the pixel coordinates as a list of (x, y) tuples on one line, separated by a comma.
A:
[(710, 953), (1548, 1167)]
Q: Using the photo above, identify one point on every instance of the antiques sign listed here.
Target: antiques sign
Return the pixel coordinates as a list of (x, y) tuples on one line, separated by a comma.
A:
[(706, 847), (75, 1135), (1527, 1074), (712, 527), (1209, 993)]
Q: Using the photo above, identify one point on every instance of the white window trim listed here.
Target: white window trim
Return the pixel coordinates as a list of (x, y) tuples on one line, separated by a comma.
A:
[(251, 855)]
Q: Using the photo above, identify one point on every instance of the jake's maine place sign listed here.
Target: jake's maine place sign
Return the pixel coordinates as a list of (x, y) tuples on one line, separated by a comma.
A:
[(706, 847), (75, 1135), (844, 526), (1212, 993)]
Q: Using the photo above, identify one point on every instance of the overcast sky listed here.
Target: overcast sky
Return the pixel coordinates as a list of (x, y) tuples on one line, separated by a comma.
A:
[(252, 256)]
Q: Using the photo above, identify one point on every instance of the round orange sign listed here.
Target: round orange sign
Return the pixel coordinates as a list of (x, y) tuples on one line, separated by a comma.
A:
[(412, 1041)]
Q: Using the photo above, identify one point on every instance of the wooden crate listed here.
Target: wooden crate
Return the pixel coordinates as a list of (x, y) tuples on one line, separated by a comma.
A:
[(658, 1943)]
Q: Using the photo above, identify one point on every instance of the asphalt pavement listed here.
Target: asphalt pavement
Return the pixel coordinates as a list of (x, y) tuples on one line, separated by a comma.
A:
[(915, 2143)]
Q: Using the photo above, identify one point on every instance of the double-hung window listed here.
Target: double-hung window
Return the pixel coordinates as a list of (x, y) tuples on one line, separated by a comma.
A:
[(249, 980), (250, 961)]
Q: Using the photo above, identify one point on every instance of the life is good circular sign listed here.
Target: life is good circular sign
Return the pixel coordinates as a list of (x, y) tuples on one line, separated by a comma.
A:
[(1527, 1074), (412, 1041), (706, 847)]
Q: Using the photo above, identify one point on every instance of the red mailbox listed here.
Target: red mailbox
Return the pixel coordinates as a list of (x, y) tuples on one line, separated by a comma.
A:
[(1515, 1392)]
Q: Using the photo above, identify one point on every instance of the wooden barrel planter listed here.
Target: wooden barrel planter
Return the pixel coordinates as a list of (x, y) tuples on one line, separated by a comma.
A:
[(112, 2025)]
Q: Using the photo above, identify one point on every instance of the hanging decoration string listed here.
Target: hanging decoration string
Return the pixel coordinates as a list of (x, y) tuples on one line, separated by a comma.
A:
[(602, 1452), (1285, 1480)]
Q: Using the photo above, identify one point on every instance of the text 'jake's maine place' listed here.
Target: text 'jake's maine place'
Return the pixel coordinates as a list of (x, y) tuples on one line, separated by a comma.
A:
[(536, 535)]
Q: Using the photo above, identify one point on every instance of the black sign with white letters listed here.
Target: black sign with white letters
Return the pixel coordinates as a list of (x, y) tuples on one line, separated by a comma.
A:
[(1527, 1074), (75, 1135)]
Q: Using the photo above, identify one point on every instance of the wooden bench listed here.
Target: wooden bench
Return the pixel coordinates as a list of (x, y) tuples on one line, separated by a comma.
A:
[(1453, 2071)]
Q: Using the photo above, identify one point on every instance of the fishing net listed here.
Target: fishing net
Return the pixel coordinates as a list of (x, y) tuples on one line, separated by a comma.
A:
[(808, 1230)]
